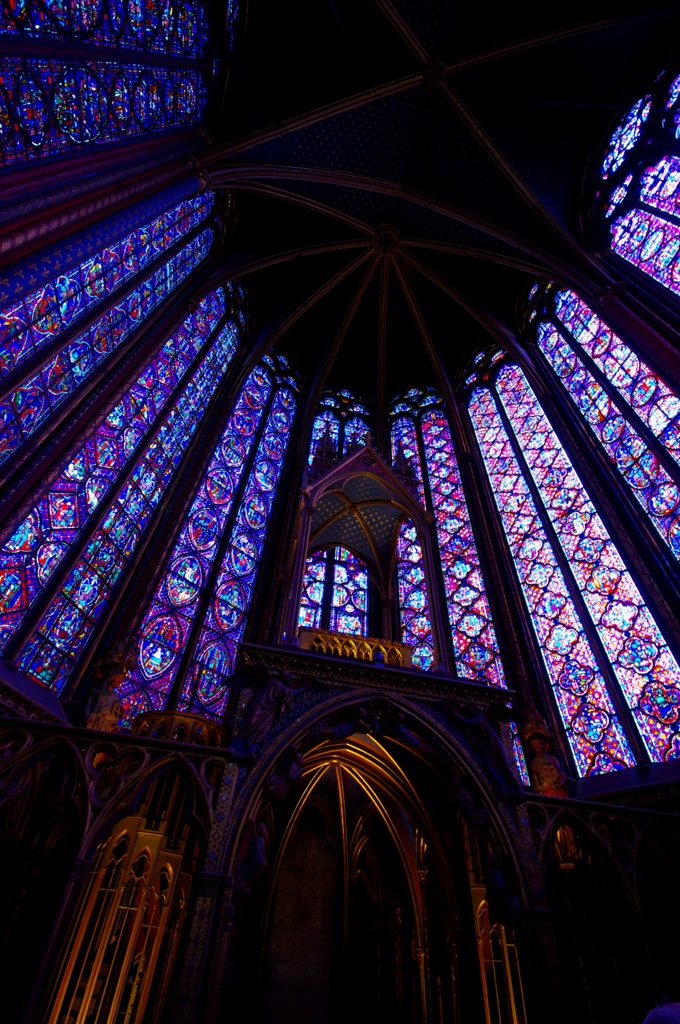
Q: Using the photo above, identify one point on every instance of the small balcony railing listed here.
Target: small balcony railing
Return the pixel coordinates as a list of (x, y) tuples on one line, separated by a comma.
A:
[(362, 648)]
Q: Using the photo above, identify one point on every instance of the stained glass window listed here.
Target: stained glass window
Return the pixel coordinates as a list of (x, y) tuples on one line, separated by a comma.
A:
[(29, 557), (623, 403), (335, 592), (61, 634), (640, 200), (421, 436), (341, 425), (635, 656), (64, 367), (414, 606), (193, 624), (50, 106)]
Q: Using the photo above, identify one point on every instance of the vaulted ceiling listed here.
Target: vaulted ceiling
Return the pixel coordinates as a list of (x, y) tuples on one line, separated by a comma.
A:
[(404, 168)]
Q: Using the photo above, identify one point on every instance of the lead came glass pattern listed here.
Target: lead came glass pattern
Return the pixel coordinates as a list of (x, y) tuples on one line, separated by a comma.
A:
[(51, 653), (39, 544), (341, 425), (405, 447), (474, 637), (155, 26), (349, 601), (313, 589), (648, 395), (206, 689), (414, 606), (52, 107), (593, 730), (640, 204), (28, 326), (169, 617), (31, 404), (653, 487), (644, 666), (326, 430)]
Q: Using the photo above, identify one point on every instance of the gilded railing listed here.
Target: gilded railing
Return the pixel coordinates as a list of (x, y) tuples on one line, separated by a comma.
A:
[(363, 648)]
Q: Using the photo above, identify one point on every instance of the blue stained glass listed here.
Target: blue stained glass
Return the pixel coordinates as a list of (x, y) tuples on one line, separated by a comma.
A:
[(206, 688), (51, 652), (357, 434), (313, 588), (594, 733), (651, 485), (28, 326), (340, 426), (626, 136), (175, 601), (39, 544), (349, 596), (642, 662), (152, 26), (414, 605), (54, 106), (326, 429), (26, 408)]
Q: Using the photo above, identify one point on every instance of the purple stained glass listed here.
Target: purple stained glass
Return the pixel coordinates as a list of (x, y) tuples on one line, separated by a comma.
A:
[(30, 405), (414, 605), (206, 689), (356, 434), (651, 244), (652, 486), (52, 651), (152, 26), (54, 106), (660, 185), (648, 395), (595, 735), (474, 637), (405, 451), (349, 595), (171, 612), (644, 666), (626, 136), (39, 544), (325, 432), (313, 588), (28, 326)]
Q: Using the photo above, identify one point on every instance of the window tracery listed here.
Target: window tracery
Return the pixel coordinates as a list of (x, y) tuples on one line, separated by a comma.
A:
[(414, 605), (639, 199), (341, 425), (335, 592), (42, 370), (421, 436), (211, 571), (596, 634), (51, 652)]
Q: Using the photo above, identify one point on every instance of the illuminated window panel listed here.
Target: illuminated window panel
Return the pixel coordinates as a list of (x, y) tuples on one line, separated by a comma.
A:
[(593, 730), (356, 434), (404, 435), (626, 136), (645, 668), (38, 546), (648, 396), (349, 598), (651, 244), (652, 486), (51, 653), (313, 588), (52, 107), (473, 634), (206, 690), (31, 404), (326, 430), (414, 606), (28, 326), (168, 620), (147, 25), (660, 185)]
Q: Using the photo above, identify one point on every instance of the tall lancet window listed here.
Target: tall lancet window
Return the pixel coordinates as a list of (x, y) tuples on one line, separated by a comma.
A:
[(335, 592), (422, 445), (640, 193), (602, 647), (192, 626), (77, 76), (629, 408), (55, 336), (65, 560), (342, 424)]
